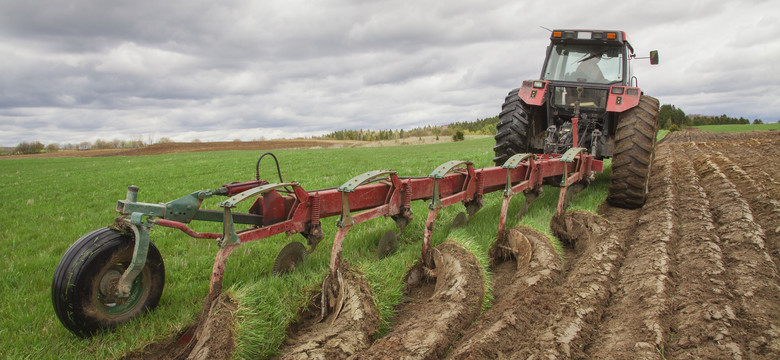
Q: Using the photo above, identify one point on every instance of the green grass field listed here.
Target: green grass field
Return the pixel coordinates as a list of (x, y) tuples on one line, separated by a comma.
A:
[(49, 203), (739, 128)]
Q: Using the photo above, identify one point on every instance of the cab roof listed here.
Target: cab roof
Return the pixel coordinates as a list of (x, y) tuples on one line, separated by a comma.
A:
[(582, 36)]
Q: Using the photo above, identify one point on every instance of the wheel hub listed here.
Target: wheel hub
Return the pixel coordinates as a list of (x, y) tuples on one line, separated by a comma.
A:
[(108, 287)]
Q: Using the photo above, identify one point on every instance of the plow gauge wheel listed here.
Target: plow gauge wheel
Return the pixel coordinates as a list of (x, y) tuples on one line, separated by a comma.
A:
[(289, 257), (388, 244), (84, 290)]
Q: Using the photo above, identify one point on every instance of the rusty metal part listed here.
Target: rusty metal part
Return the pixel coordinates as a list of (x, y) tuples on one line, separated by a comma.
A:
[(218, 272), (527, 185), (581, 172)]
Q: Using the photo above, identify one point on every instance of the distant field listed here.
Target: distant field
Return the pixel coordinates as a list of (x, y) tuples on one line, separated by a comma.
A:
[(739, 128)]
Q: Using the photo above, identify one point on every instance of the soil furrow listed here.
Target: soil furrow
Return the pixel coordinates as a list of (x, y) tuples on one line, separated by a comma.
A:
[(758, 152), (753, 274), (335, 337), (434, 325), (211, 337), (752, 166), (633, 325), (586, 291), (703, 317), (763, 201), (529, 299)]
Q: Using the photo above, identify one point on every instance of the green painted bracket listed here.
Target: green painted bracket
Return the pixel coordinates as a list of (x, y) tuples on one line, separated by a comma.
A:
[(182, 209), (439, 173), (141, 232), (361, 179), (514, 161), (229, 235), (346, 220), (446, 168), (570, 154), (228, 230), (568, 157), (233, 201)]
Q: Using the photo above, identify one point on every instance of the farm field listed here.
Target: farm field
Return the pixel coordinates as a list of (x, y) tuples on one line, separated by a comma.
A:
[(693, 274), (739, 127)]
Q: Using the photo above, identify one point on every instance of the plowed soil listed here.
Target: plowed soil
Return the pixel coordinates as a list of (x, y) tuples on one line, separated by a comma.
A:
[(210, 338), (335, 337), (691, 275)]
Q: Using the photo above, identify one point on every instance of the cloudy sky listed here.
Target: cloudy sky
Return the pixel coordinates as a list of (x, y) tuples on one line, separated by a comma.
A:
[(79, 70)]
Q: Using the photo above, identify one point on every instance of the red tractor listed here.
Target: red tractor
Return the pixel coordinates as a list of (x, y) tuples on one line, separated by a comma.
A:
[(586, 97)]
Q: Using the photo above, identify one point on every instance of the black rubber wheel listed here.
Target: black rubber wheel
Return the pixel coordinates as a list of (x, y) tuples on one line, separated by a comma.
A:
[(635, 140), (512, 129), (84, 286)]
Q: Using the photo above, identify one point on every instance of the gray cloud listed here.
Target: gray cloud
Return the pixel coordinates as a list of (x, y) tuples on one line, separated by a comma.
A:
[(80, 70)]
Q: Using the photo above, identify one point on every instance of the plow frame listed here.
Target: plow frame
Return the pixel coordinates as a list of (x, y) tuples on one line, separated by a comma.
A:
[(380, 193)]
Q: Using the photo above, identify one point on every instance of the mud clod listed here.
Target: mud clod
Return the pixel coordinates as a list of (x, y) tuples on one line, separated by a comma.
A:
[(211, 337)]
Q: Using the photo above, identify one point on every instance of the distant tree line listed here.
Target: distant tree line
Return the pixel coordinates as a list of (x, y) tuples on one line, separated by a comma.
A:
[(721, 120), (36, 147), (671, 117), (485, 126)]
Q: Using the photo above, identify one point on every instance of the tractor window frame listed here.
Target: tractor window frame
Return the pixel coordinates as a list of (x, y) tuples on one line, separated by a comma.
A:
[(570, 62)]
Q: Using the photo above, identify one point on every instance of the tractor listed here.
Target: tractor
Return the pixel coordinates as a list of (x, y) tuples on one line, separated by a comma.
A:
[(586, 97)]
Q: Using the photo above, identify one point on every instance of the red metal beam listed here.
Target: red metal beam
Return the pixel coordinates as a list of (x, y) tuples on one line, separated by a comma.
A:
[(382, 198)]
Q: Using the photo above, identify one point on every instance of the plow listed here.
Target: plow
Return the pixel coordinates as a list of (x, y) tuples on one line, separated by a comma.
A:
[(118, 273)]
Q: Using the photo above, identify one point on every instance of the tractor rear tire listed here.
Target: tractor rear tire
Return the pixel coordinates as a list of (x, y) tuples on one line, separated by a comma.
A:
[(84, 287), (635, 140), (512, 129)]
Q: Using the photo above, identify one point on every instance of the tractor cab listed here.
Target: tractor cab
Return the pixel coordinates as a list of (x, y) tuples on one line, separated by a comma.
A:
[(593, 60)]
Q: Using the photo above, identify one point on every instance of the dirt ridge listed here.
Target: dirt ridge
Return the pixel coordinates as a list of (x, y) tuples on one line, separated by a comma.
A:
[(633, 325), (507, 325), (434, 325), (335, 337)]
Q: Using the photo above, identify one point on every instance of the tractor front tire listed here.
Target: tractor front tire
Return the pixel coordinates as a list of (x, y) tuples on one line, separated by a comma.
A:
[(635, 140), (512, 129), (84, 287)]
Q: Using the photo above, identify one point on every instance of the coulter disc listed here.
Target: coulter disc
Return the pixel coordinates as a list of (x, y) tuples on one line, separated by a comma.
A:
[(291, 255), (388, 244), (459, 220)]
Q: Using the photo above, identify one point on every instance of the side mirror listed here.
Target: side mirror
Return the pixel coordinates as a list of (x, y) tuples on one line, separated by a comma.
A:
[(654, 57)]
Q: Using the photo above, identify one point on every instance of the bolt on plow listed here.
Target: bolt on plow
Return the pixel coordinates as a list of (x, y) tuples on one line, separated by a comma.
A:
[(115, 273)]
